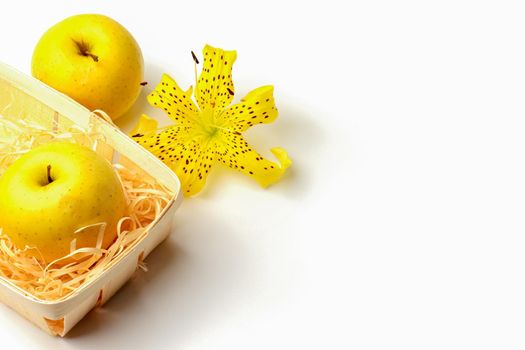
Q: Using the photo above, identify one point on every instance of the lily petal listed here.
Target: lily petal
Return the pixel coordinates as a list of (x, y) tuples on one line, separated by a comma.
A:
[(215, 90), (257, 107), (234, 151), (174, 101), (193, 169)]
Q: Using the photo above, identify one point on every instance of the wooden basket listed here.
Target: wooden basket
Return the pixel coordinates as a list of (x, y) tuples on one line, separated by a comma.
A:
[(22, 96)]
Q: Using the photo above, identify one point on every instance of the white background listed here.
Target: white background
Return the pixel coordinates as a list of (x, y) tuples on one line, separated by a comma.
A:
[(400, 225)]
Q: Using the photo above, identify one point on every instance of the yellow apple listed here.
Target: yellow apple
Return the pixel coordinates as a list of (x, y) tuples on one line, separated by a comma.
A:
[(94, 60), (55, 189)]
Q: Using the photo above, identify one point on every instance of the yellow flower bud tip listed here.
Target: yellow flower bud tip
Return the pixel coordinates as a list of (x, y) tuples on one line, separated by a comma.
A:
[(212, 132)]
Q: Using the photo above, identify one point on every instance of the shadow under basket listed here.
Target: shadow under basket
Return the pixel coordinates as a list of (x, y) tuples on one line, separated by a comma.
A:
[(23, 97)]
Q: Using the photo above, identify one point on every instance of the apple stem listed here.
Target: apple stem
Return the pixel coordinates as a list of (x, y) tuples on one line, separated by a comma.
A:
[(83, 49), (94, 57), (49, 179)]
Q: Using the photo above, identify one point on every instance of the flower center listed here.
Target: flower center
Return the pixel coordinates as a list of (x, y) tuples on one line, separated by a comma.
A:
[(207, 124), (212, 131)]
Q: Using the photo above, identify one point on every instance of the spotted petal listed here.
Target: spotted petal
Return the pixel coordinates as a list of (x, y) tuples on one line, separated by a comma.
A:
[(257, 107), (193, 169), (174, 101), (215, 86), (234, 151)]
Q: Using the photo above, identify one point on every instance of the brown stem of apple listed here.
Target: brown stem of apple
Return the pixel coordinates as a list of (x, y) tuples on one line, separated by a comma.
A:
[(83, 49), (94, 57), (49, 179)]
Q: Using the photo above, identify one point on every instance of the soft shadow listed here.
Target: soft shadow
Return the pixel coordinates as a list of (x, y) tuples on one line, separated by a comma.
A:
[(163, 256), (194, 277)]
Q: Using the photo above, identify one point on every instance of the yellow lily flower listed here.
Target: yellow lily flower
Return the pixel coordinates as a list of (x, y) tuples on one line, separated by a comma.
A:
[(211, 132)]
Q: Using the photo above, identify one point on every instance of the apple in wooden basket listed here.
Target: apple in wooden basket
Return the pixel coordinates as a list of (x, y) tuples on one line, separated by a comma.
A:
[(93, 59), (55, 189)]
